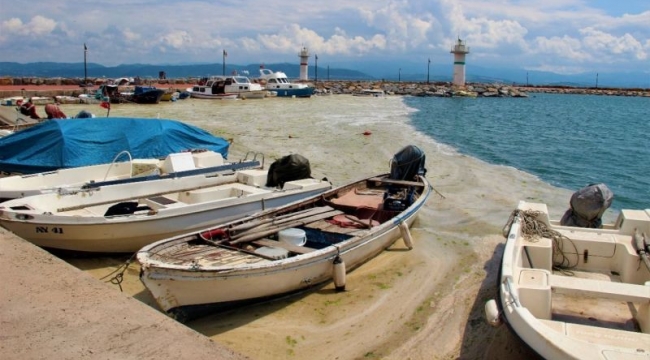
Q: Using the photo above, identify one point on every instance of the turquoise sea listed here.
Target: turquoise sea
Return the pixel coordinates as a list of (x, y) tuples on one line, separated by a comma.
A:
[(569, 141)]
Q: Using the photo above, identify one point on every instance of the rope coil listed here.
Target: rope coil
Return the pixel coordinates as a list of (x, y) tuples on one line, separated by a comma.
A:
[(532, 229)]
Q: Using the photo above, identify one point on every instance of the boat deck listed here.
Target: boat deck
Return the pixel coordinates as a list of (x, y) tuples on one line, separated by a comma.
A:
[(602, 312)]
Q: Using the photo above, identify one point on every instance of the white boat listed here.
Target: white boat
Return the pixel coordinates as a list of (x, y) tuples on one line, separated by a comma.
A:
[(278, 83), (573, 292), (12, 101), (67, 99), (227, 88), (127, 216), (371, 93), (283, 250), (18, 186)]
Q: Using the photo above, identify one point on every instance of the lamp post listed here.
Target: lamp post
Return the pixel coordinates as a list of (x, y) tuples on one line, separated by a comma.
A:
[(223, 67), (399, 75), (316, 57), (85, 68)]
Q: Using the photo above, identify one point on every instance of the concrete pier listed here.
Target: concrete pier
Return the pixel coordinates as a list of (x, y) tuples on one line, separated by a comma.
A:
[(51, 310)]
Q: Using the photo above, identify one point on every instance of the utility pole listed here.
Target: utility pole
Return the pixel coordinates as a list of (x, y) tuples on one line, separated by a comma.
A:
[(399, 75), (316, 57), (596, 80), (428, 66)]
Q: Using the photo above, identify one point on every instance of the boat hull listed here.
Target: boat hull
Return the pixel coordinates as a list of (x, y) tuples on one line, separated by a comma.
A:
[(79, 220), (296, 92), (198, 95), (176, 287)]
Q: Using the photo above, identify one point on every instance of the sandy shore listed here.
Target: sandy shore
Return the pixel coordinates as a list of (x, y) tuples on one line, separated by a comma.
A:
[(421, 304)]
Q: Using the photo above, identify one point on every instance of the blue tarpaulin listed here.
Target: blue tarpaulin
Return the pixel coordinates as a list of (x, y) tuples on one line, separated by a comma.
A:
[(65, 143)]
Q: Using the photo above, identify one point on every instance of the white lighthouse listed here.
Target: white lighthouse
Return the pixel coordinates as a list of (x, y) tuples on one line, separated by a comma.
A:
[(459, 51), (304, 58)]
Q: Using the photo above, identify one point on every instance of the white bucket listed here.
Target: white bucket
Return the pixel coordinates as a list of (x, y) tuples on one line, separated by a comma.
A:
[(293, 236)]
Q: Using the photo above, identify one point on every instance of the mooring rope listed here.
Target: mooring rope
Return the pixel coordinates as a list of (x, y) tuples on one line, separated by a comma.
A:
[(532, 228), (119, 277)]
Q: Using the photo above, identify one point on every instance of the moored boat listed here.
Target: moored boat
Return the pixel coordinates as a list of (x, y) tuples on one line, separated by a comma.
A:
[(370, 93), (124, 217), (139, 95), (278, 83), (286, 249), (175, 164), (576, 292), (227, 88), (91, 141)]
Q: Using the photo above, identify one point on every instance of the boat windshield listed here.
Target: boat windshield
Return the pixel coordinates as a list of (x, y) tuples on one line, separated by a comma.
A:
[(241, 80)]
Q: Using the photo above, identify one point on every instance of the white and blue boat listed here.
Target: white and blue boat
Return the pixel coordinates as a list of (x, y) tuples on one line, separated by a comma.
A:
[(278, 82)]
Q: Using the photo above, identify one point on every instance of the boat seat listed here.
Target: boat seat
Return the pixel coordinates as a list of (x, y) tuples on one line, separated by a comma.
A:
[(570, 285), (606, 336), (221, 193), (161, 202)]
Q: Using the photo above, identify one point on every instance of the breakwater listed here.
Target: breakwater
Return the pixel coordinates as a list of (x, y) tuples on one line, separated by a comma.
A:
[(13, 86)]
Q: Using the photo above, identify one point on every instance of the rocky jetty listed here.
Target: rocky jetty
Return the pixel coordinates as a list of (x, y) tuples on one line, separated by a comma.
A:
[(48, 87)]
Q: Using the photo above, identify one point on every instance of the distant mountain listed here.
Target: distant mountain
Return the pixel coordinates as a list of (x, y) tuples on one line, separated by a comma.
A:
[(363, 71)]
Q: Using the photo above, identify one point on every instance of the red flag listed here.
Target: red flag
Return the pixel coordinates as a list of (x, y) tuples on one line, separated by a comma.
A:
[(105, 105)]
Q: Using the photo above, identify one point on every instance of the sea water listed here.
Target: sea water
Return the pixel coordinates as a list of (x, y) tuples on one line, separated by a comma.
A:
[(569, 141)]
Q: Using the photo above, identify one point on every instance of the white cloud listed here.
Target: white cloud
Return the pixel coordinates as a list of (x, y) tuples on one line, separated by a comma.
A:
[(608, 44), (38, 25), (522, 33)]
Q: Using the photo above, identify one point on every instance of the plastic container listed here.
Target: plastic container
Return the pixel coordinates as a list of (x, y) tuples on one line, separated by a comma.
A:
[(293, 236)]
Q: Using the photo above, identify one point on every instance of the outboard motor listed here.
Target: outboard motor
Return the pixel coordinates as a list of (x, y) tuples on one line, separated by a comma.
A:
[(289, 168), (407, 164), (587, 206)]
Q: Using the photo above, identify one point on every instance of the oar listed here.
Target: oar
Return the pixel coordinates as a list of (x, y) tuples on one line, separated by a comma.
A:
[(272, 230)]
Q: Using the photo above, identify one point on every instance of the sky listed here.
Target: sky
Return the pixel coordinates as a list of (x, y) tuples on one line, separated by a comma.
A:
[(561, 36)]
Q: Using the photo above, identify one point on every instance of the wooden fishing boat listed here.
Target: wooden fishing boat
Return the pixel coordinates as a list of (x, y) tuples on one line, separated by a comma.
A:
[(283, 250), (124, 217), (574, 292)]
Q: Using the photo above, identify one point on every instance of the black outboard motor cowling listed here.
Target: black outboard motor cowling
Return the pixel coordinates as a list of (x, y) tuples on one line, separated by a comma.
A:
[(288, 168), (407, 164), (587, 206)]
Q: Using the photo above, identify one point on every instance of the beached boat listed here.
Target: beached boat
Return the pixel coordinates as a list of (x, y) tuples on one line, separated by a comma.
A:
[(573, 292), (67, 99), (139, 94), (170, 95), (370, 93), (227, 88), (124, 217), (287, 249), (12, 101), (66, 143), (175, 164), (278, 83)]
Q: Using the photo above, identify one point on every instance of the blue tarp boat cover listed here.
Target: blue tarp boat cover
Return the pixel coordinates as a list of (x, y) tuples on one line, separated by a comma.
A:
[(65, 143)]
